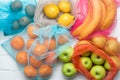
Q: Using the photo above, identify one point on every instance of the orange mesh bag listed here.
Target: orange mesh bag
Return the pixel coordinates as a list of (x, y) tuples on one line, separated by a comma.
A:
[(81, 49)]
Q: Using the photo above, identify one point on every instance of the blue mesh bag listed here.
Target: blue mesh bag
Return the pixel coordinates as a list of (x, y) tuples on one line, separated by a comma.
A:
[(15, 15), (49, 42), (53, 37)]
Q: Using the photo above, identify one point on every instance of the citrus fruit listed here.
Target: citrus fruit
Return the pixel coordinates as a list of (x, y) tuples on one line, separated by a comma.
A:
[(30, 71), (17, 42), (30, 32), (64, 6), (50, 59), (34, 62), (21, 57), (45, 70), (51, 10), (62, 39), (65, 19), (51, 45), (39, 50), (29, 43)]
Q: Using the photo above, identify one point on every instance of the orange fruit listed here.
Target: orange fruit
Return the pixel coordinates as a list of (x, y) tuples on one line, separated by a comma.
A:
[(34, 62), (21, 58), (45, 70), (17, 42), (39, 49), (51, 44), (50, 58), (30, 71), (29, 43), (62, 39), (30, 32)]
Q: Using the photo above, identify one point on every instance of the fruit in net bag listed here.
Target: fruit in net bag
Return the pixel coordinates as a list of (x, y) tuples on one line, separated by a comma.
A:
[(87, 63), (51, 10), (97, 59), (30, 71), (50, 59), (22, 57), (29, 43), (15, 25), (99, 41), (112, 47), (103, 68), (16, 5), (86, 54), (17, 43), (65, 19), (116, 61), (50, 44), (98, 72), (62, 39), (39, 49), (45, 70), (109, 44), (24, 21), (30, 10), (107, 65), (64, 6), (30, 32), (34, 62)]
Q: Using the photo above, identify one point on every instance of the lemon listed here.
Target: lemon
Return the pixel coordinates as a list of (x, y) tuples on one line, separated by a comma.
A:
[(65, 19), (64, 6), (51, 10)]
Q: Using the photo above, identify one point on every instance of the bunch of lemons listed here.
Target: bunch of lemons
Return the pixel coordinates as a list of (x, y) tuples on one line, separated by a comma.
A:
[(52, 11)]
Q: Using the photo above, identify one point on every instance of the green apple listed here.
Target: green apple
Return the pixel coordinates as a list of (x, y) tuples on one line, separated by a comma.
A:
[(97, 59), (107, 65), (66, 54), (86, 62), (69, 70), (98, 72), (86, 54)]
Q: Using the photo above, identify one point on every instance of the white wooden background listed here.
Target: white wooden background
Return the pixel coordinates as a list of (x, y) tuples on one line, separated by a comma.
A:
[(10, 71)]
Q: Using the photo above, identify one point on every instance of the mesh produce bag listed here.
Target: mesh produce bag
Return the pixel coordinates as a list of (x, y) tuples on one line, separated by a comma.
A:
[(80, 51), (15, 15), (82, 7), (53, 37), (42, 20), (36, 49)]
